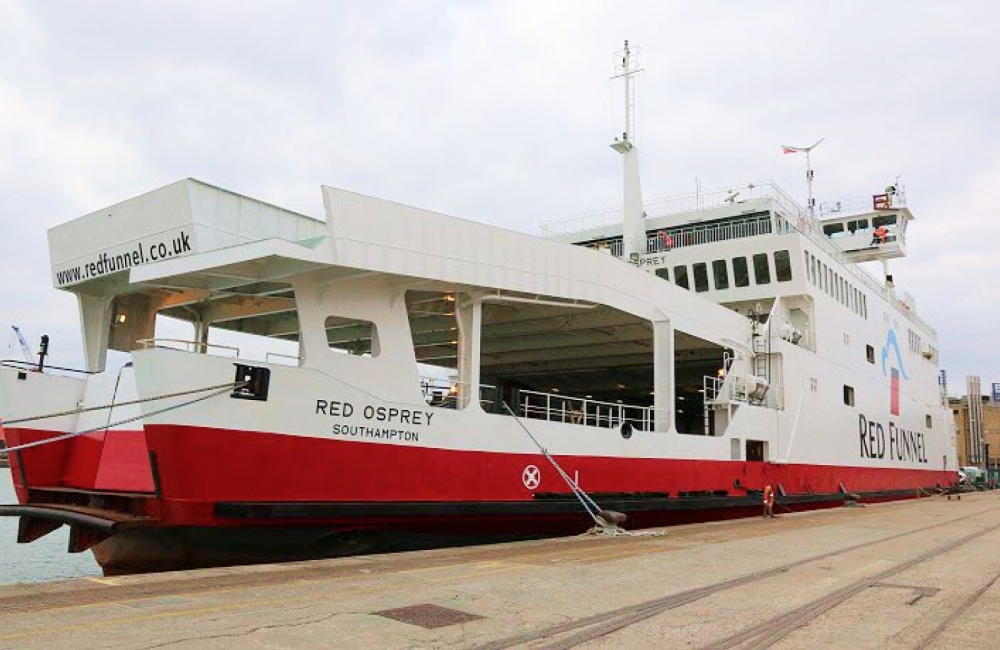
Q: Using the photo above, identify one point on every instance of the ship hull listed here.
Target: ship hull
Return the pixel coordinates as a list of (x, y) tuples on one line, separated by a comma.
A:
[(224, 497)]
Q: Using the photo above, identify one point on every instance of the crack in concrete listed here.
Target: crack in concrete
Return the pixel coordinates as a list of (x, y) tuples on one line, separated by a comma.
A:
[(254, 630)]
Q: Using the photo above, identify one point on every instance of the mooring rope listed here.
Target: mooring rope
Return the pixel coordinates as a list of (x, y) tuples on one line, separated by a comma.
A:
[(602, 526), (113, 405), (105, 427)]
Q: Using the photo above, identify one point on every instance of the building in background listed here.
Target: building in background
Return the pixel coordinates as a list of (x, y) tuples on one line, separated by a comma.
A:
[(977, 427)]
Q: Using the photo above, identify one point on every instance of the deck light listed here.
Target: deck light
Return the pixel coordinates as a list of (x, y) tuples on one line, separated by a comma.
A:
[(120, 319)]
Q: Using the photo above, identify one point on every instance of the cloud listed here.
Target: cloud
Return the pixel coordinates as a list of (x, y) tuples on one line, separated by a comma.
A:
[(502, 112)]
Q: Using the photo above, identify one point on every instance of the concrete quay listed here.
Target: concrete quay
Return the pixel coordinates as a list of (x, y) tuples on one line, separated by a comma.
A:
[(914, 574)]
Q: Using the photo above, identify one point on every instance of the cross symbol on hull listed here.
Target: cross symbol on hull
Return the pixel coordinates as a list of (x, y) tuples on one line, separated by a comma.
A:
[(531, 477)]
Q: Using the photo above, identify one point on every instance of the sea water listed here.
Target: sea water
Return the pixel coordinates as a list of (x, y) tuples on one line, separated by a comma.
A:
[(44, 559)]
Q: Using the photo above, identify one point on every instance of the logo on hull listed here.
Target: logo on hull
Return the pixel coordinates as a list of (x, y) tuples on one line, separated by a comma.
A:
[(894, 370)]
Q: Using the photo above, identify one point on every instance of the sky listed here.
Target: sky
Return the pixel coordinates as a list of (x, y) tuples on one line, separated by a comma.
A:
[(502, 112)]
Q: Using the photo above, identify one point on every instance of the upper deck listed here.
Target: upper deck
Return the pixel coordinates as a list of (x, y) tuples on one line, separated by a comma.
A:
[(759, 209)]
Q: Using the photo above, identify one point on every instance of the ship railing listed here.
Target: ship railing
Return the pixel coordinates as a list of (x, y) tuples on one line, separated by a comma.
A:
[(678, 204), (694, 236), (186, 346), (274, 357), (449, 394), (555, 407), (859, 204)]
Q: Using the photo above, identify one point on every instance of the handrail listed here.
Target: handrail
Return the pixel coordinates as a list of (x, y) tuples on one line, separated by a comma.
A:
[(192, 346), (589, 412), (268, 355)]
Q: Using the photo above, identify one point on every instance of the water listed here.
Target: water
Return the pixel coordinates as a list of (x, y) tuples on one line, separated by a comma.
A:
[(42, 560)]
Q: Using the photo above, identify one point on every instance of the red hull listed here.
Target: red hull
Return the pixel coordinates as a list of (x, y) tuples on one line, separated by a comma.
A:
[(211, 495)]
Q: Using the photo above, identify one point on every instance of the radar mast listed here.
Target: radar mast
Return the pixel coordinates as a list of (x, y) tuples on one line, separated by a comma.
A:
[(633, 226)]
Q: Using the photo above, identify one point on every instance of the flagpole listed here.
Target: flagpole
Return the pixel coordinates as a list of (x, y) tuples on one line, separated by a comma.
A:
[(810, 202), (809, 183)]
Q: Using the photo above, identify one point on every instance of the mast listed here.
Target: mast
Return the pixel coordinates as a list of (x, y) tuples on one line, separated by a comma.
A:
[(810, 202), (633, 226)]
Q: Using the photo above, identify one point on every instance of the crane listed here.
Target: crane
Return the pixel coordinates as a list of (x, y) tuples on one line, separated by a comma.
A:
[(25, 350)]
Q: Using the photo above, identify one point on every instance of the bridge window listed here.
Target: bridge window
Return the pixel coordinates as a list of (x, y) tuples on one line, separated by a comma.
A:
[(681, 276), (663, 273), (700, 277), (721, 274), (833, 229), (782, 266), (741, 274), (761, 270), (884, 221)]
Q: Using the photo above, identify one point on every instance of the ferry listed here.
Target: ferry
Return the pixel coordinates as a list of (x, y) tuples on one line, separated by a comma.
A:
[(674, 358)]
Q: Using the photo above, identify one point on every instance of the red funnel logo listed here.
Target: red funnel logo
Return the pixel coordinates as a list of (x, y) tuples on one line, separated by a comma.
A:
[(895, 371)]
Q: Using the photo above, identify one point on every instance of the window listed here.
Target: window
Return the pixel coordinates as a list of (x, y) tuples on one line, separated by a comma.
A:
[(721, 274), (848, 395), (833, 229), (928, 421), (357, 337), (700, 277), (761, 271), (782, 266), (681, 276), (741, 275), (883, 221), (663, 273), (870, 353)]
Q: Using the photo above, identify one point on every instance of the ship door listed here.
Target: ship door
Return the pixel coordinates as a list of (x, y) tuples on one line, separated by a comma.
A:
[(755, 450)]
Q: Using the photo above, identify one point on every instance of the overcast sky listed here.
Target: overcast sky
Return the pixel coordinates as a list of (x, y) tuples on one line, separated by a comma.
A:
[(502, 112)]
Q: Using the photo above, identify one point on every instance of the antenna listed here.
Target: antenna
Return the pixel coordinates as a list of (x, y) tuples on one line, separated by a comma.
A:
[(811, 203), (627, 67)]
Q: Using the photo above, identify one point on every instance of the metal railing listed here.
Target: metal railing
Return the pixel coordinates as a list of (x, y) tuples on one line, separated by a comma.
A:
[(690, 202), (554, 407), (189, 346), (276, 355), (694, 235), (445, 393)]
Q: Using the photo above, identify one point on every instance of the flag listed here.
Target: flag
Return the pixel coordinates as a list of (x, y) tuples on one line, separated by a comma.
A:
[(785, 149)]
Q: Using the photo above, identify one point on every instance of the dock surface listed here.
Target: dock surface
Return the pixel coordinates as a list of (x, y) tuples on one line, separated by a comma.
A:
[(913, 574)]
